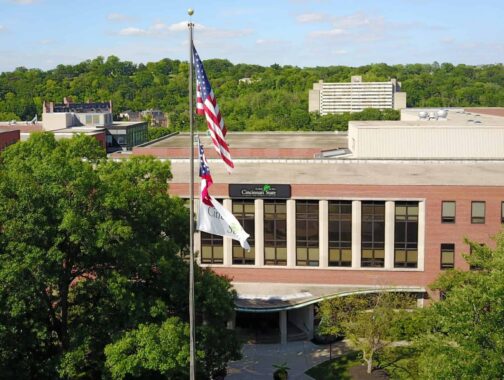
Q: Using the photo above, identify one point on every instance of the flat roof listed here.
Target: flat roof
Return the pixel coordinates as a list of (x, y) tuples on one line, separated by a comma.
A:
[(123, 124), (454, 117), (236, 140), (266, 145), (21, 126), (351, 172)]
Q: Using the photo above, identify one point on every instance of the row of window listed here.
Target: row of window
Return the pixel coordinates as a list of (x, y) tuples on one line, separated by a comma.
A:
[(478, 211), (307, 234)]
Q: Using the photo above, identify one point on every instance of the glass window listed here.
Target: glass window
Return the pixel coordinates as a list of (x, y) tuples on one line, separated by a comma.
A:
[(96, 119), (307, 233), (406, 235), (212, 251), (373, 234), (244, 211), (478, 212), (275, 232), (502, 212), (89, 119), (340, 233), (448, 212), (447, 256)]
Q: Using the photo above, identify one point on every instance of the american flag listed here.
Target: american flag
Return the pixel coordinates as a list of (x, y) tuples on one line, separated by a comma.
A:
[(206, 177), (206, 104)]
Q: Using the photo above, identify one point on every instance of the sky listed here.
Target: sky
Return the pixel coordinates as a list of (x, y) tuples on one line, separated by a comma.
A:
[(304, 33)]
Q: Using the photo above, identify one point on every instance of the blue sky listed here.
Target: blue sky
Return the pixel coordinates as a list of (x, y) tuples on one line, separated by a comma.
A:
[(45, 33)]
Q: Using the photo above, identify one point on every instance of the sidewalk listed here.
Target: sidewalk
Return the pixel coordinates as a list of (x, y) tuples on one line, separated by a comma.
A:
[(258, 359)]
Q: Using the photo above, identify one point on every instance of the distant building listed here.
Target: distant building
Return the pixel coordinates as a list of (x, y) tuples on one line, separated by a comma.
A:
[(330, 98), (71, 117), (157, 117), (67, 119), (8, 138)]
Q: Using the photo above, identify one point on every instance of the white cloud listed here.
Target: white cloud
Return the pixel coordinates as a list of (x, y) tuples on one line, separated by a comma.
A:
[(132, 32), (45, 42), (2, 28), (24, 2), (327, 33), (118, 17), (160, 28), (306, 18)]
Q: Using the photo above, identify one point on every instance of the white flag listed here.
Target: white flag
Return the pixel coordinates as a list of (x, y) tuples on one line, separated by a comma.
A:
[(219, 221)]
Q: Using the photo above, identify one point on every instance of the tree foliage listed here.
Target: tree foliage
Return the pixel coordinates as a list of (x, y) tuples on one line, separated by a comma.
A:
[(370, 323), (89, 259), (275, 97), (464, 338)]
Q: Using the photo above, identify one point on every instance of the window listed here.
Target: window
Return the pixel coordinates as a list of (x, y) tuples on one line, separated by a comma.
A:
[(307, 233), (212, 251), (96, 119), (340, 233), (244, 211), (89, 119), (448, 212), (373, 234), (477, 212), (406, 235), (447, 256), (275, 232), (502, 212)]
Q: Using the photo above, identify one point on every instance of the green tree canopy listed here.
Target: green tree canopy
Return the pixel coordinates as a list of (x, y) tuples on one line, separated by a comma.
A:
[(464, 335), (90, 257)]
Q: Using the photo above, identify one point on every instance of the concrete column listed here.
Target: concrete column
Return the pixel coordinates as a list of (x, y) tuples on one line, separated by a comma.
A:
[(421, 235), (259, 232), (420, 301), (310, 310), (283, 326), (291, 233), (389, 234), (356, 234), (228, 242), (324, 234)]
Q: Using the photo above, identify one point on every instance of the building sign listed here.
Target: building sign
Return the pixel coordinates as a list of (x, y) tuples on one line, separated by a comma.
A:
[(266, 191)]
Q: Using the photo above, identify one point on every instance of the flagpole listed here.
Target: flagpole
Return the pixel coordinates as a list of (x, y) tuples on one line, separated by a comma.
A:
[(192, 330)]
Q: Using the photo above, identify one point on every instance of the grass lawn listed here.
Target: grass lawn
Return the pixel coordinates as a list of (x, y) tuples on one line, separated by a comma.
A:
[(336, 368)]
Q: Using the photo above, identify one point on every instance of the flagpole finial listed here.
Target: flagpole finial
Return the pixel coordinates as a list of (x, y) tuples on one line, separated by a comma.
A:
[(190, 11)]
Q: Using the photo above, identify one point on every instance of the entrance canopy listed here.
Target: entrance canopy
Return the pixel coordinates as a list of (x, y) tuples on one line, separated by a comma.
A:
[(272, 297)]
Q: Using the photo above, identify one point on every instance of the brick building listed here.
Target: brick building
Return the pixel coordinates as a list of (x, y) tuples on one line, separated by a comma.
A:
[(338, 216)]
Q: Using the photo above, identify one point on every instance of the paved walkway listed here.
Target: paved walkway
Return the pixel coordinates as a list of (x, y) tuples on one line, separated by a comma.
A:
[(258, 359)]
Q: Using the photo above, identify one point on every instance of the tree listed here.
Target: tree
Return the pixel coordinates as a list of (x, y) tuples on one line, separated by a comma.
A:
[(370, 323), (89, 258), (464, 338), (373, 330)]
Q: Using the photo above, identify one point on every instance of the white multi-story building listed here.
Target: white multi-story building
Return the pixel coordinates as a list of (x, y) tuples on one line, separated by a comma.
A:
[(327, 98)]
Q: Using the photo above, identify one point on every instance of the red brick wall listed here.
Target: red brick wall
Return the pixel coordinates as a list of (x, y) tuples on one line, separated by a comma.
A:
[(101, 137), (7, 138), (436, 233)]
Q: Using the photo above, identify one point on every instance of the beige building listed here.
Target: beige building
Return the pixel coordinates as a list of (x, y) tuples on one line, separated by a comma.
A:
[(327, 98)]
